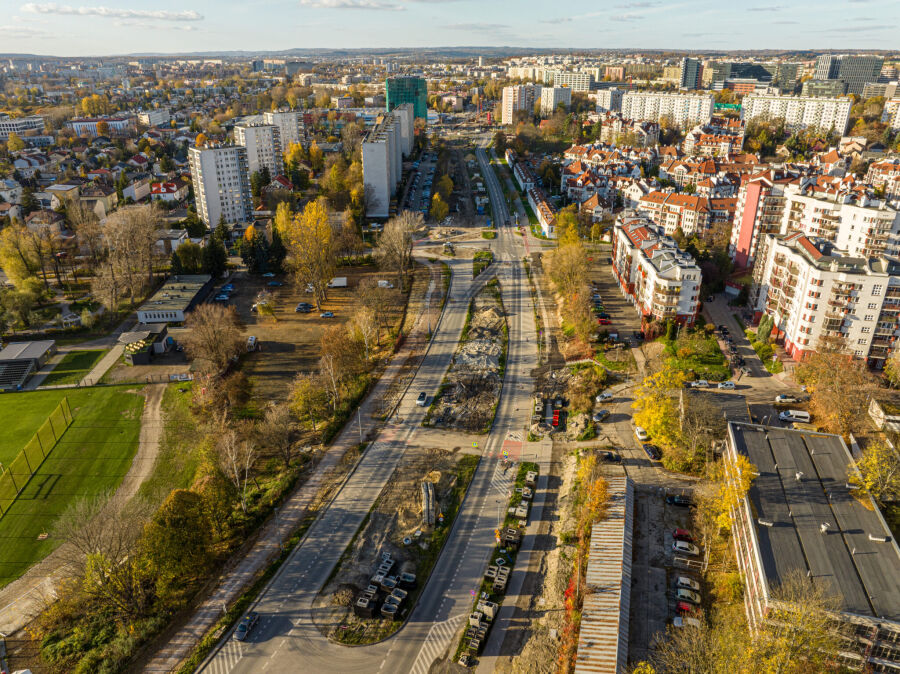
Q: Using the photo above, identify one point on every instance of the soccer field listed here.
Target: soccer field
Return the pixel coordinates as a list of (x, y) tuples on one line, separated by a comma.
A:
[(92, 456)]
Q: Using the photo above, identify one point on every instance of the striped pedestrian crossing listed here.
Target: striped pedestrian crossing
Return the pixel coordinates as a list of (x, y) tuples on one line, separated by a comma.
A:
[(440, 636), (226, 659)]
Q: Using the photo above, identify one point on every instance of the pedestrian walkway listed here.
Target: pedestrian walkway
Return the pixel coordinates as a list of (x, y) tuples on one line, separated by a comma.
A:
[(439, 638), (105, 364)]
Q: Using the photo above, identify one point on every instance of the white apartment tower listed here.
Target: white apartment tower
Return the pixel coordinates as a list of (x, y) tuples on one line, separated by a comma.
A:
[(289, 123), (519, 97), (263, 147), (383, 150), (683, 110), (553, 97), (221, 184)]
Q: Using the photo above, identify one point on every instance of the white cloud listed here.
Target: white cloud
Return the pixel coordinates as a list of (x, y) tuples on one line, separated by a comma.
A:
[(22, 32), (352, 4), (111, 12)]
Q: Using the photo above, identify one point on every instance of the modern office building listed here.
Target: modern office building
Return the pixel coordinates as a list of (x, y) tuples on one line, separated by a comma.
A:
[(291, 129), (801, 518), (799, 112), (660, 280), (263, 145), (19, 125), (690, 74), (407, 89), (823, 88), (383, 150), (221, 184), (519, 97), (553, 97), (682, 110), (854, 71)]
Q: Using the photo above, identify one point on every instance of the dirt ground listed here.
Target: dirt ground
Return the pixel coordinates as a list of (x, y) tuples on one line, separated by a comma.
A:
[(470, 393), (396, 518), (289, 342), (163, 365)]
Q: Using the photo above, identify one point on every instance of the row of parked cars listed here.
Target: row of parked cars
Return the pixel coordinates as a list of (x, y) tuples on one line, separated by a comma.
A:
[(687, 590)]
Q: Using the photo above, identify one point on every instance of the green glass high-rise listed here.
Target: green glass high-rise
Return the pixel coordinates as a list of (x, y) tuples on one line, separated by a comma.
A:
[(407, 89)]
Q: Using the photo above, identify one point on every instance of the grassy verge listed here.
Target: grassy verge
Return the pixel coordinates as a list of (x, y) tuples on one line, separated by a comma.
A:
[(488, 234), (73, 367), (510, 521), (480, 261), (625, 364), (697, 354), (538, 319)]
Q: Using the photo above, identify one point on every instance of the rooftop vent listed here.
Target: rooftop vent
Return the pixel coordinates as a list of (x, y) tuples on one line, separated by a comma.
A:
[(824, 527), (798, 475), (766, 523), (879, 539)]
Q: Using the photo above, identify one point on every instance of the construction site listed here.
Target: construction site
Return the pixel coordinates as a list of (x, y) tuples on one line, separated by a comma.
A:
[(378, 578), (469, 395)]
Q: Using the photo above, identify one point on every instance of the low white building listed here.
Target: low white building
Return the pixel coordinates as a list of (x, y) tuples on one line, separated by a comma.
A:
[(817, 293), (553, 97), (19, 125), (661, 280), (157, 117)]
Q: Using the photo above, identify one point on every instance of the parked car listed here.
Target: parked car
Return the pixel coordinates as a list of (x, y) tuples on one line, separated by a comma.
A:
[(304, 308), (326, 314), (248, 622), (222, 298), (685, 621), (682, 535), (228, 288), (268, 274), (723, 329), (687, 583), (652, 451), (700, 383), (606, 395), (726, 385), (610, 457), (785, 399), (604, 321), (687, 595), (685, 548), (274, 284), (795, 415), (679, 500), (641, 434), (603, 314), (601, 415), (682, 608)]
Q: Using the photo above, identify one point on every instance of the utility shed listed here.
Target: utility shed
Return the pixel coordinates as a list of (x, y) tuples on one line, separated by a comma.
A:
[(603, 638)]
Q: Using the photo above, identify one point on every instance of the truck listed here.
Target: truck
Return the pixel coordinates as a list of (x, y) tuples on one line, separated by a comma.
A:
[(338, 282)]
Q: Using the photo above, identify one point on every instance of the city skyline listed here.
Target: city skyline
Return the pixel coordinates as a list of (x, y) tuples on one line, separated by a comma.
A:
[(58, 29)]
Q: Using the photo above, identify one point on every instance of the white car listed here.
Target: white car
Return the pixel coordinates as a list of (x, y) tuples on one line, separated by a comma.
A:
[(785, 399), (726, 385), (685, 621), (687, 583), (701, 383), (685, 548), (687, 595), (603, 397), (641, 434)]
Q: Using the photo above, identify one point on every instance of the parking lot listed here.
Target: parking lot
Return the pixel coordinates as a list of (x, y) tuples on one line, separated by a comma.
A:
[(623, 317), (421, 186)]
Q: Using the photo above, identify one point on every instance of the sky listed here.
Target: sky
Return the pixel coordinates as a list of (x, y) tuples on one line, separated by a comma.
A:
[(170, 26)]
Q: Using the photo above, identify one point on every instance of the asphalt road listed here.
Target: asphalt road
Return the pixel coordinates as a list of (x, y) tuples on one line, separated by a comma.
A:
[(286, 638)]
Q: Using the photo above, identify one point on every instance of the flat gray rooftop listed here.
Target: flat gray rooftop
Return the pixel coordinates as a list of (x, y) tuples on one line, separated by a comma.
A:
[(177, 293), (863, 573), (26, 350)]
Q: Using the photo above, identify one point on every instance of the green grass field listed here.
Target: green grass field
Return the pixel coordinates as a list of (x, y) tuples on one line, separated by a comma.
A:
[(73, 367), (91, 457)]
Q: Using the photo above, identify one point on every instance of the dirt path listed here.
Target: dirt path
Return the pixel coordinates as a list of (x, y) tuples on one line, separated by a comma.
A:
[(24, 598)]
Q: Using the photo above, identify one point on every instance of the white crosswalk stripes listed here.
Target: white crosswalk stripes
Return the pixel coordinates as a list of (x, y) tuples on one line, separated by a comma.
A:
[(502, 481), (439, 637), (227, 657)]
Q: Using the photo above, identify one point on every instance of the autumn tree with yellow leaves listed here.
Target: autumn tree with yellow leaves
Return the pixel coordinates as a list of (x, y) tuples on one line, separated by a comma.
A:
[(309, 240), (656, 405)]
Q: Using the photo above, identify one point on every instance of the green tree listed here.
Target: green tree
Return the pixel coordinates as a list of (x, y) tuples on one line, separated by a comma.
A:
[(879, 469), (190, 255), (175, 268), (215, 257)]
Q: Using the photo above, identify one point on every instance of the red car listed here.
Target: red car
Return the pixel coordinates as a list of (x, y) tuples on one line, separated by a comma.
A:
[(682, 535), (683, 608), (604, 321)]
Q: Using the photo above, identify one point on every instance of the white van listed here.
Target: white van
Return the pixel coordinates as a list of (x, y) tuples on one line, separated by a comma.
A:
[(252, 344), (795, 415)]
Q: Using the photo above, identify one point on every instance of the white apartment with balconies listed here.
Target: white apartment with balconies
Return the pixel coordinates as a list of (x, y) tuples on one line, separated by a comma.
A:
[(221, 184), (819, 295), (263, 146), (661, 280), (799, 112), (683, 110)]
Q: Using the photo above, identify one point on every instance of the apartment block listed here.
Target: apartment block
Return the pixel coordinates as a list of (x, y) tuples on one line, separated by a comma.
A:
[(885, 175), (609, 100), (801, 517), (19, 125), (575, 81), (263, 145), (689, 76), (88, 126), (799, 112), (519, 97), (721, 137), (156, 117), (291, 129), (383, 150), (820, 295), (688, 212), (759, 211), (553, 97), (660, 280), (407, 89), (890, 115), (221, 184), (683, 110)]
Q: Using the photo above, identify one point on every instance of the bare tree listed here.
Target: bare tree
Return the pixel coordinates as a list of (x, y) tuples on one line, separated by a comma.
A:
[(395, 245), (101, 536), (236, 458), (214, 336), (365, 324), (87, 230), (274, 432), (841, 386), (380, 300), (131, 233)]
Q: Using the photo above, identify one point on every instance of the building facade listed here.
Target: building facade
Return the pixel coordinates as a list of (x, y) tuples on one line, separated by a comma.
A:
[(553, 97), (383, 150), (221, 180), (407, 89), (609, 100), (660, 280), (519, 97), (19, 125), (689, 76), (291, 129), (683, 110), (799, 112), (263, 145), (156, 117)]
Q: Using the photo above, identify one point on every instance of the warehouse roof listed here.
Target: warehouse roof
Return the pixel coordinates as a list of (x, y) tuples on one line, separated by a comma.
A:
[(26, 350), (177, 293), (807, 519)]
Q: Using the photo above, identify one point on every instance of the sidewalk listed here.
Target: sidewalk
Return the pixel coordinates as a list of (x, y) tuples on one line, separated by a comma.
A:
[(268, 544), (101, 368)]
